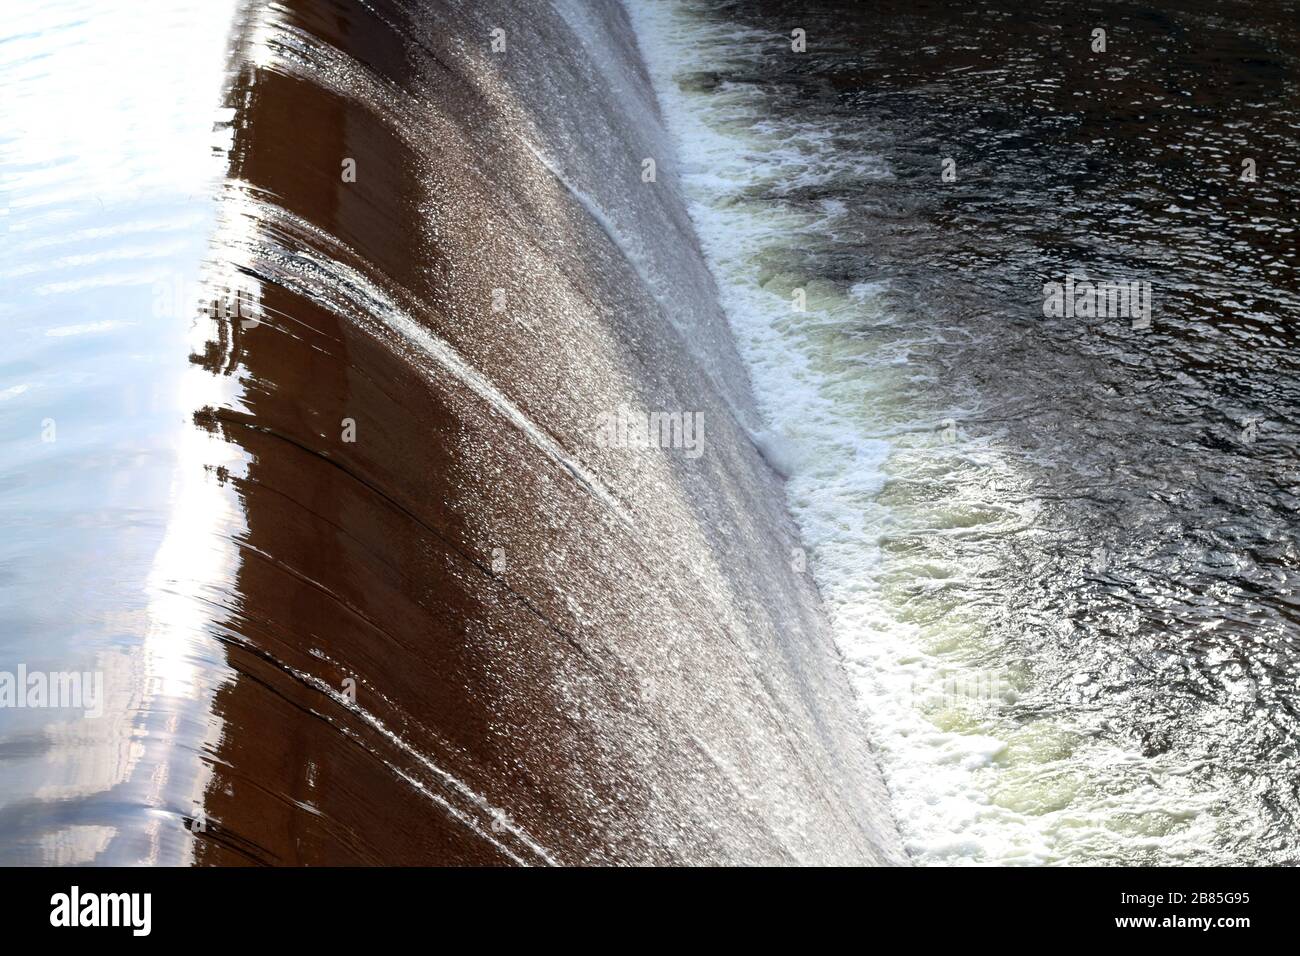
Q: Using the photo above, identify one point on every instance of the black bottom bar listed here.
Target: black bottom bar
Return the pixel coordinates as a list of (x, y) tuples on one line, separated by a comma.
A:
[(374, 906)]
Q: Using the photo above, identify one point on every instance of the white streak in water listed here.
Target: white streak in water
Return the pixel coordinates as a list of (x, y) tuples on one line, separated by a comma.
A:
[(372, 308), (498, 816)]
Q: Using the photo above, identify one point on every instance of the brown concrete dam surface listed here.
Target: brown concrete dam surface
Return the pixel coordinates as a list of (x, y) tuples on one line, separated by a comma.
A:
[(413, 600)]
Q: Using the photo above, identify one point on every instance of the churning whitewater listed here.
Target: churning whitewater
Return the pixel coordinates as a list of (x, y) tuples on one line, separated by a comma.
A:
[(908, 500)]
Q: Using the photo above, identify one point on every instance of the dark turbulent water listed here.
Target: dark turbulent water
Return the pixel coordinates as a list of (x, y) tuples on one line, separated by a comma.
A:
[(1103, 517)]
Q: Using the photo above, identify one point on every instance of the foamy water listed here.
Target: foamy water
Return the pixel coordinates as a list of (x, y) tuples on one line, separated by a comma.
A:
[(909, 514)]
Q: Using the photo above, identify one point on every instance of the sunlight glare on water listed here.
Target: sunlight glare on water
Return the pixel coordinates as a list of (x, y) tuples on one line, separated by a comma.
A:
[(109, 155)]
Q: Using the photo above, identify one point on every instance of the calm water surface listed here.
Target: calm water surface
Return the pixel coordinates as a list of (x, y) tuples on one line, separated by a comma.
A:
[(107, 158)]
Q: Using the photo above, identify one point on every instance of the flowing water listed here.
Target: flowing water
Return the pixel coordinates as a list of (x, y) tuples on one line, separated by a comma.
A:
[(312, 313), (1059, 553)]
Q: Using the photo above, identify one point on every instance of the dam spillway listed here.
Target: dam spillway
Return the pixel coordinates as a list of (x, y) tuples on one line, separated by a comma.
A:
[(412, 601)]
